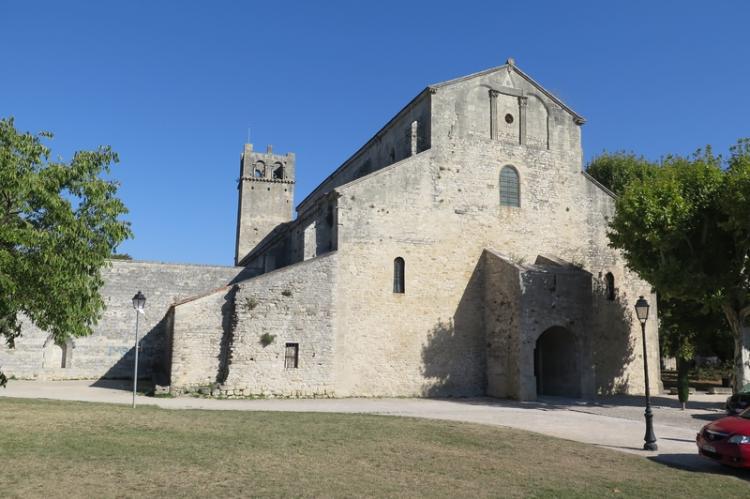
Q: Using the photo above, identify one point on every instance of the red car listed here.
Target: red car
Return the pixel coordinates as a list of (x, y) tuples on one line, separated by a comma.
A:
[(727, 440)]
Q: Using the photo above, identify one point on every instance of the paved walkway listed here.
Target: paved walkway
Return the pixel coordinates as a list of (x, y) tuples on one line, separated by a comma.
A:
[(613, 422)]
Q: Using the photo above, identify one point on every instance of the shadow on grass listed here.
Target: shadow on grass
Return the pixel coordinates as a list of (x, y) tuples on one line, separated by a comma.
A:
[(698, 463)]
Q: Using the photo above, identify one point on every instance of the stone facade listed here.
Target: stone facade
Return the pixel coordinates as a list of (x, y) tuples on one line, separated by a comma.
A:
[(108, 353), (461, 251)]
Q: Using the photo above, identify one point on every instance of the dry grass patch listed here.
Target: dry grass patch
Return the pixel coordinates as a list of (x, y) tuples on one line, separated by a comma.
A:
[(70, 449)]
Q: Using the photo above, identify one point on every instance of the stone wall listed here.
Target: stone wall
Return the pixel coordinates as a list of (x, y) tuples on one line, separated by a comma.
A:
[(506, 107), (556, 297), (234, 341), (502, 313), (439, 210), (524, 302), (199, 335), (108, 353)]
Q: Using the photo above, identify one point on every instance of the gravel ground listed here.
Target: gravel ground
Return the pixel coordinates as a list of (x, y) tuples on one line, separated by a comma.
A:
[(667, 410)]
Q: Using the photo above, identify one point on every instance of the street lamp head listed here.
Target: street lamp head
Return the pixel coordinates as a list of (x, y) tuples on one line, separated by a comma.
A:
[(641, 309), (139, 301)]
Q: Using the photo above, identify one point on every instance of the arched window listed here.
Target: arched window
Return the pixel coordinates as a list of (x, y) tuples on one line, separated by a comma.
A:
[(260, 170), (278, 171), (510, 192), (609, 283), (398, 275)]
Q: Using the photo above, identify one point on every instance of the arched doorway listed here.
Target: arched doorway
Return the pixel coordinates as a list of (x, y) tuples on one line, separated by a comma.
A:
[(556, 363)]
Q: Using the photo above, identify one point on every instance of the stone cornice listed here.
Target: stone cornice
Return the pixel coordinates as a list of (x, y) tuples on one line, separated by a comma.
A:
[(263, 179)]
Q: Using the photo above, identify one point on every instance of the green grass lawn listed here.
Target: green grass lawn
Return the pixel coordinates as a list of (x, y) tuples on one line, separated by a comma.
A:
[(70, 449)]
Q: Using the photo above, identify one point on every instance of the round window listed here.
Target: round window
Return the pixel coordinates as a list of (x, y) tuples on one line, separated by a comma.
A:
[(509, 118)]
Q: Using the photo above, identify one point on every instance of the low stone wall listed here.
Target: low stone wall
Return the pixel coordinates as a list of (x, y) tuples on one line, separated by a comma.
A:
[(108, 352)]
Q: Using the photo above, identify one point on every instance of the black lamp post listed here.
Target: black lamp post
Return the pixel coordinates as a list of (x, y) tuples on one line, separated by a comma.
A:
[(139, 301), (641, 310)]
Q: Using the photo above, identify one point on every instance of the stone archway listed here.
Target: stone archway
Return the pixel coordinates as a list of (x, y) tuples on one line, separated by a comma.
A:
[(557, 363)]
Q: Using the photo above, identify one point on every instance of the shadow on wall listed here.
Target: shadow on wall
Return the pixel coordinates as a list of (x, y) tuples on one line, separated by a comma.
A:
[(150, 358), (612, 342), (454, 358), (228, 323), (245, 273)]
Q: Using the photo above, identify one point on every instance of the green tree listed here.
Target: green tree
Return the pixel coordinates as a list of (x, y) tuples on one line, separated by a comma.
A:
[(59, 222), (616, 170), (686, 230), (686, 327)]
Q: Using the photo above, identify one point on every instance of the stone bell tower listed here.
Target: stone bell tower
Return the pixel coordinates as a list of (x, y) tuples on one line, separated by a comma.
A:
[(266, 194)]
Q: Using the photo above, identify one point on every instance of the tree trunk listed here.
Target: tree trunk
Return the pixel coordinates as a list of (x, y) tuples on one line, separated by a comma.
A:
[(683, 384), (741, 334)]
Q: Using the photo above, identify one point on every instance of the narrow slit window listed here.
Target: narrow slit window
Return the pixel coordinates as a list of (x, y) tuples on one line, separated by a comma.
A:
[(291, 357), (510, 192), (398, 275), (609, 281)]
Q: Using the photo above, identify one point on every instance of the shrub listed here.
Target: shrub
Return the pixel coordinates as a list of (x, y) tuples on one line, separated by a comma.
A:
[(266, 339)]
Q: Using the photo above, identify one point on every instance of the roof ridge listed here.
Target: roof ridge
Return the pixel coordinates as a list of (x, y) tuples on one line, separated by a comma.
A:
[(511, 65)]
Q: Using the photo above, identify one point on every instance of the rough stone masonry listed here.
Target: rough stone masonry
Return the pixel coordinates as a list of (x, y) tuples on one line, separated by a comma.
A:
[(461, 251)]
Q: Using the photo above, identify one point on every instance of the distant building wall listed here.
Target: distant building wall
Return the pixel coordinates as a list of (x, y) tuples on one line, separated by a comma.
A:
[(109, 351)]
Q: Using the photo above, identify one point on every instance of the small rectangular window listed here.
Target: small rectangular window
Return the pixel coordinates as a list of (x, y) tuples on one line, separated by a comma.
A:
[(291, 358), (398, 275)]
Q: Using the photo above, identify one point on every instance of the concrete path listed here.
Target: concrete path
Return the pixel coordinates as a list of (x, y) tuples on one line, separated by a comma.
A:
[(615, 422)]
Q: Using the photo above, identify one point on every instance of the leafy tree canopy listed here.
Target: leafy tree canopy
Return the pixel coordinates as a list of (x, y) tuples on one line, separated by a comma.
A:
[(59, 222), (685, 228), (616, 170), (121, 256)]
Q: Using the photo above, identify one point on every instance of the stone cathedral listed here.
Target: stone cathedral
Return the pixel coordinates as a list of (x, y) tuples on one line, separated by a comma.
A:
[(461, 251)]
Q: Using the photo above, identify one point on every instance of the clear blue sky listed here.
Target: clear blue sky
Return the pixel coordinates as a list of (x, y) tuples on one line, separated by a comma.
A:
[(173, 86)]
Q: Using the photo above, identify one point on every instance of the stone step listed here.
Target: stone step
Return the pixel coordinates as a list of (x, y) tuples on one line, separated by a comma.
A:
[(720, 390), (673, 391)]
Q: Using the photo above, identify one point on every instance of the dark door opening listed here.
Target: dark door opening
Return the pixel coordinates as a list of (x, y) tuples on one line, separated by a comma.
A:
[(556, 364)]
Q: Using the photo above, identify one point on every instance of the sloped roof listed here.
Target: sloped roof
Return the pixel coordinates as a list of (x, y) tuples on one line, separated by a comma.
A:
[(511, 66)]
